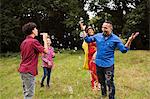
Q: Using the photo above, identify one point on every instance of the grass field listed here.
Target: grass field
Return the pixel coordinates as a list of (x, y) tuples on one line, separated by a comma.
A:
[(70, 81)]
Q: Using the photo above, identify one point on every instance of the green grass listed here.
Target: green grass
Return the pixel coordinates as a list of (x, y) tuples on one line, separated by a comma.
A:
[(70, 81)]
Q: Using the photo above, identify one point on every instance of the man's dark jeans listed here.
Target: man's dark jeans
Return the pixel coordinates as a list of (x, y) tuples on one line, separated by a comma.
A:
[(105, 77)]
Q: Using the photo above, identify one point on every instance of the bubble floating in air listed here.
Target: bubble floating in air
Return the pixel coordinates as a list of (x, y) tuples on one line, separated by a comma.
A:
[(61, 45), (65, 36), (69, 42), (57, 42), (81, 34), (52, 37), (75, 48), (68, 34)]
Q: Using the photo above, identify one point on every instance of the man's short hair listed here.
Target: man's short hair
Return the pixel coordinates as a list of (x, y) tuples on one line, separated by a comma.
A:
[(27, 28), (109, 22)]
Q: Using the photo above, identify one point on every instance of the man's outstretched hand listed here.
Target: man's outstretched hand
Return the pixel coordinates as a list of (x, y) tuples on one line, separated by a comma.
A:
[(133, 36)]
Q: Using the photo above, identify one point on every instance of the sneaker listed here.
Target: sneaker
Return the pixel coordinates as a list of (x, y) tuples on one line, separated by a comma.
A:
[(42, 85)]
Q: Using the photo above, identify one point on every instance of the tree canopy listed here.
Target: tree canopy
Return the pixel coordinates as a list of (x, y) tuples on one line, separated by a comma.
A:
[(60, 19)]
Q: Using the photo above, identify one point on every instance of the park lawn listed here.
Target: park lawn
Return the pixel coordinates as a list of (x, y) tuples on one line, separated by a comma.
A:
[(70, 81)]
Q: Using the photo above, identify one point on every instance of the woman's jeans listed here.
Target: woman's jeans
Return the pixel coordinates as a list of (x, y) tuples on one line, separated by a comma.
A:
[(105, 77), (47, 72)]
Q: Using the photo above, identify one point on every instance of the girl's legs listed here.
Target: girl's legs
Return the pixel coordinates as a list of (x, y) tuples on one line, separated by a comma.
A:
[(44, 76), (48, 76)]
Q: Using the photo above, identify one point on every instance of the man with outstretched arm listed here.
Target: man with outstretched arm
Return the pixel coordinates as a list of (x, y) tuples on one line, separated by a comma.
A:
[(106, 43)]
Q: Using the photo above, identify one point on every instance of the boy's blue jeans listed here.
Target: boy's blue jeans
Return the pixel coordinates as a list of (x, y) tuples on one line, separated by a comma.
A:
[(105, 77), (47, 72)]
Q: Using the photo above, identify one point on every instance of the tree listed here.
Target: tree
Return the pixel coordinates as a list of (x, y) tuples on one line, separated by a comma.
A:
[(9, 25), (53, 16), (137, 20)]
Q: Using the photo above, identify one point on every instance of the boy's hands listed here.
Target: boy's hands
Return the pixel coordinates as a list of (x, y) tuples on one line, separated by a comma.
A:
[(44, 36), (45, 42)]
